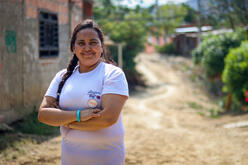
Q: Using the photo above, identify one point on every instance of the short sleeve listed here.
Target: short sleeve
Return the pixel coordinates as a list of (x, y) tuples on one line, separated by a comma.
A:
[(53, 87), (115, 83)]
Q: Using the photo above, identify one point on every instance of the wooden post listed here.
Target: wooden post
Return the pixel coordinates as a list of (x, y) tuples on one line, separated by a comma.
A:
[(120, 55), (228, 101)]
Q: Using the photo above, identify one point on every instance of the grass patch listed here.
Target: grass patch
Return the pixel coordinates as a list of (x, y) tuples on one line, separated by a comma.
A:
[(31, 125), (214, 113), (27, 133), (193, 78), (201, 113), (14, 145), (194, 105), (11, 146)]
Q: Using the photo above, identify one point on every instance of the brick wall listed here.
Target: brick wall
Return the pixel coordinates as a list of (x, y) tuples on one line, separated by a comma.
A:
[(55, 6)]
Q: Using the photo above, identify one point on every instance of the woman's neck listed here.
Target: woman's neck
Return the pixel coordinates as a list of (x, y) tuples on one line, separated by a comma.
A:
[(85, 69)]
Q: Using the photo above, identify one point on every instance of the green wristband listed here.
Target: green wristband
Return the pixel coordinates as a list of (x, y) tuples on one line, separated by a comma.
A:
[(78, 115)]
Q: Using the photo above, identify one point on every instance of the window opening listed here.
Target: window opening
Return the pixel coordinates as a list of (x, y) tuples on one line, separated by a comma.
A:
[(48, 34)]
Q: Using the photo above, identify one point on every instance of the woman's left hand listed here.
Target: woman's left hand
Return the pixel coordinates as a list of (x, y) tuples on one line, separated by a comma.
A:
[(87, 114)]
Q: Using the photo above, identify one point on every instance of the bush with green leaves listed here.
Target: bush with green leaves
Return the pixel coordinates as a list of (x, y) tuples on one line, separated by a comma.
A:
[(166, 49), (235, 74), (213, 50), (198, 52), (132, 34)]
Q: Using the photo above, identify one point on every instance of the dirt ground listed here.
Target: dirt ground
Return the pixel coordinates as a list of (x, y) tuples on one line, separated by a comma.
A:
[(161, 126)]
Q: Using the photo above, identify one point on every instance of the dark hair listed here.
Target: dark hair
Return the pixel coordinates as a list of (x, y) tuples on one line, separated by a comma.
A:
[(74, 61)]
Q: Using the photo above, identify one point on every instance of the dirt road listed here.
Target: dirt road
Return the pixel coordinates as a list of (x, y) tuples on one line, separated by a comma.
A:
[(161, 126)]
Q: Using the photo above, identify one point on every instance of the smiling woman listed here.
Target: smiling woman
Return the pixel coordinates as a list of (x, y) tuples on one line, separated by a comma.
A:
[(86, 100), (88, 49)]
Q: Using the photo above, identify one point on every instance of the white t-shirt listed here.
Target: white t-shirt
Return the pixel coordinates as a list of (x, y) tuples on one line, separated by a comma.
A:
[(101, 147)]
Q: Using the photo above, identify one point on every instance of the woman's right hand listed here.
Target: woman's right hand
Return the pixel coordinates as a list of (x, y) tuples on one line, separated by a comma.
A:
[(87, 114)]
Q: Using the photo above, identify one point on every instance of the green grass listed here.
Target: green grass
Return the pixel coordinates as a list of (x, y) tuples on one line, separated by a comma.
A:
[(201, 113), (26, 132), (193, 78), (31, 125), (13, 145), (214, 113), (194, 105)]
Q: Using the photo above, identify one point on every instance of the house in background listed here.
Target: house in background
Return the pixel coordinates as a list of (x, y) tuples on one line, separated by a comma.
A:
[(186, 39), (152, 42), (34, 46)]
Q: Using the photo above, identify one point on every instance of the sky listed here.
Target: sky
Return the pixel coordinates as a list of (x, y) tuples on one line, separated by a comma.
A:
[(146, 3)]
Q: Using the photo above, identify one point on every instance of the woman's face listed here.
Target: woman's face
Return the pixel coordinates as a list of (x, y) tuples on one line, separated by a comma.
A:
[(88, 47)]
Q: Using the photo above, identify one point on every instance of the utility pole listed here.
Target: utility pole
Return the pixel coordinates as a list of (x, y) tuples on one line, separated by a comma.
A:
[(158, 19), (199, 22), (157, 10), (83, 9), (87, 9), (120, 63)]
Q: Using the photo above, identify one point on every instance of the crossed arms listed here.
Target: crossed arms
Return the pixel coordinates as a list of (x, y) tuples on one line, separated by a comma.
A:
[(91, 119)]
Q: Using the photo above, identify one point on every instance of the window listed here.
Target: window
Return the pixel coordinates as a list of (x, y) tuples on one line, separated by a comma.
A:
[(48, 34)]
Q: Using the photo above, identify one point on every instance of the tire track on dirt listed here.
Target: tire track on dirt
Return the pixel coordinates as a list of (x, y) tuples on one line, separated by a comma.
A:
[(163, 92), (162, 129)]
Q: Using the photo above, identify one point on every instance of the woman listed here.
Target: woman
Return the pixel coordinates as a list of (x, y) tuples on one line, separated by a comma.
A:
[(86, 100)]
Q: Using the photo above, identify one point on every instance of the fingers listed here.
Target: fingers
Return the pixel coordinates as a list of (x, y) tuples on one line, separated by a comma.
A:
[(87, 114), (67, 125), (96, 110), (57, 106), (54, 104), (95, 115)]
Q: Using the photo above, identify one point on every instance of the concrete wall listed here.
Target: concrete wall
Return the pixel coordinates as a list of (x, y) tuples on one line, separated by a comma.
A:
[(76, 13), (24, 76), (40, 71), (11, 58)]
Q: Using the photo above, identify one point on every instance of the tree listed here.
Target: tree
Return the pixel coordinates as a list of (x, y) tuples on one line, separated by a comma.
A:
[(223, 11), (233, 12), (171, 16), (191, 14), (240, 8), (127, 26)]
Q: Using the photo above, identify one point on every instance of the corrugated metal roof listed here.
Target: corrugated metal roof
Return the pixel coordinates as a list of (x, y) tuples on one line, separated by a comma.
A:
[(192, 29)]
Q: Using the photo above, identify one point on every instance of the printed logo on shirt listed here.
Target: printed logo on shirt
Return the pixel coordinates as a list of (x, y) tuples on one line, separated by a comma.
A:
[(94, 95), (94, 98)]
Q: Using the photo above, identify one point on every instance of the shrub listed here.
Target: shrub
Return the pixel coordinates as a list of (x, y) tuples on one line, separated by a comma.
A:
[(213, 59), (166, 49), (235, 74), (213, 50), (198, 52), (133, 36)]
